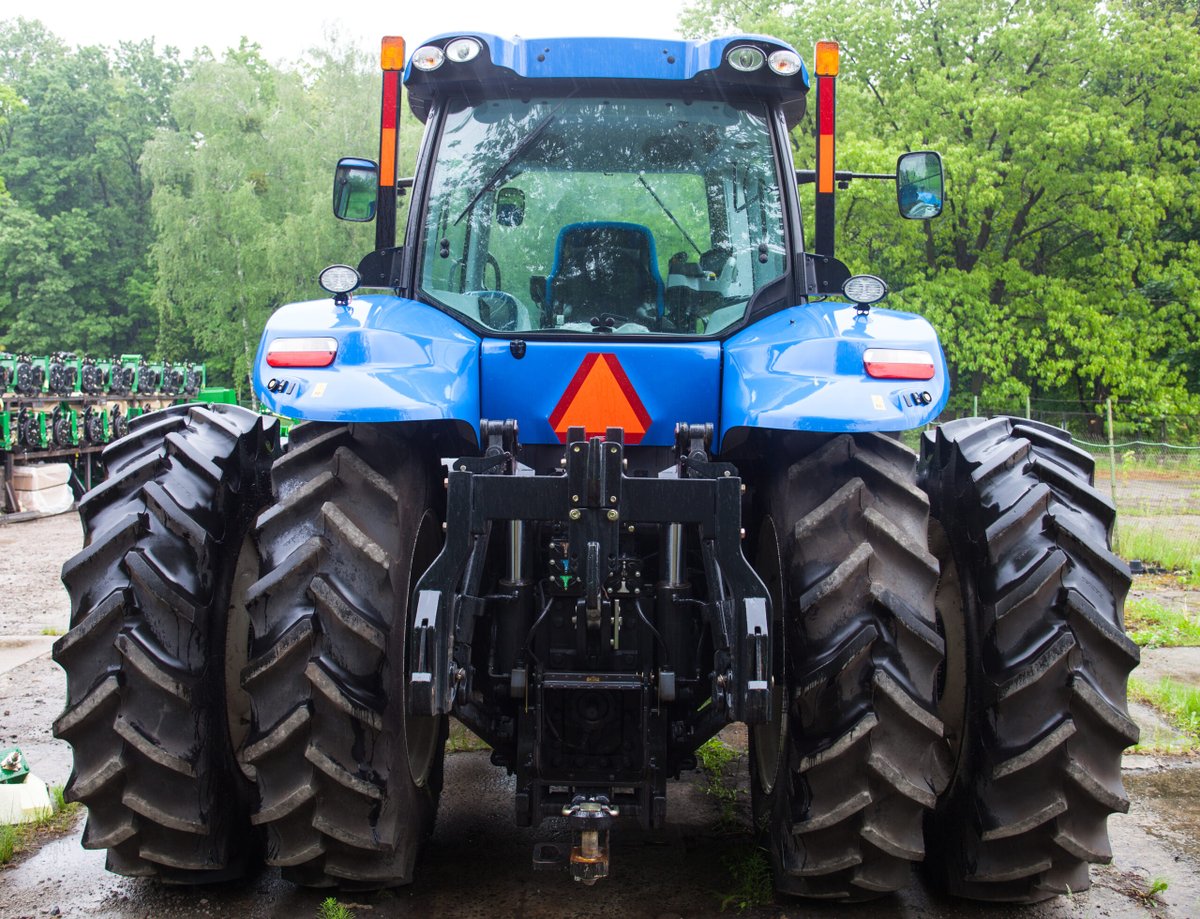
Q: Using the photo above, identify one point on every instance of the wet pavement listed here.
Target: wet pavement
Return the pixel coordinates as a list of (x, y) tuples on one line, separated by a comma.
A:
[(479, 865)]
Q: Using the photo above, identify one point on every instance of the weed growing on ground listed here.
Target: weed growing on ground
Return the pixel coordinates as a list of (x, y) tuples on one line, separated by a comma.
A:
[(330, 908), (8, 843), (1152, 625), (53, 821), (715, 757), (462, 740), (753, 884), (51, 630), (1179, 704)]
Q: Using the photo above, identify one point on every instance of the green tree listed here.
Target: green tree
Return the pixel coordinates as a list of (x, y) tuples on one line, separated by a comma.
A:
[(242, 194), (69, 156), (1066, 261)]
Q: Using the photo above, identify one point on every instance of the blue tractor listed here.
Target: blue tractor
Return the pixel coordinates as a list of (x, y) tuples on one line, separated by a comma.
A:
[(607, 460)]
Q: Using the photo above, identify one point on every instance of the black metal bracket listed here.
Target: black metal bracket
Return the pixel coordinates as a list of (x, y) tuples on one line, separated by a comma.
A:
[(594, 499)]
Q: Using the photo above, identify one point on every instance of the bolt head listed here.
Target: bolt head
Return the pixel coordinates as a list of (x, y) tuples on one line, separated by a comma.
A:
[(613, 515), (575, 514)]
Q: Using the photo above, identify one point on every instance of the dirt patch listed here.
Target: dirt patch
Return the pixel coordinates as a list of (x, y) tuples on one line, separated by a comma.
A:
[(31, 593)]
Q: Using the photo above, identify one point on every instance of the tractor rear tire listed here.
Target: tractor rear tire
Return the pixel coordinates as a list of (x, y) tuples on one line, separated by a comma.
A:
[(844, 777), (348, 781), (1037, 710), (150, 596)]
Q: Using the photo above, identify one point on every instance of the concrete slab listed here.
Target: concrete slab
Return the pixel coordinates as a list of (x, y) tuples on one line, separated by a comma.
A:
[(16, 650)]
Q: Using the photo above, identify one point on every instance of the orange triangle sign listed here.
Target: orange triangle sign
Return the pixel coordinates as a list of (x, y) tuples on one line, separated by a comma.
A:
[(598, 397)]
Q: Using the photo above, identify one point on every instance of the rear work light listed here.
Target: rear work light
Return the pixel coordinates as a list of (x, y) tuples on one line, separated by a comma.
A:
[(745, 58), (896, 364), (301, 352)]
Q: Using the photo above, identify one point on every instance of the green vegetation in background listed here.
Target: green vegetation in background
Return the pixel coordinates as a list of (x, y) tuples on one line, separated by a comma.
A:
[(1152, 625), (1066, 263), (150, 204), (1140, 538)]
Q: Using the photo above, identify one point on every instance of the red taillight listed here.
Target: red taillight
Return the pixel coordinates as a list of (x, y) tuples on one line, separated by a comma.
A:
[(301, 352), (895, 364)]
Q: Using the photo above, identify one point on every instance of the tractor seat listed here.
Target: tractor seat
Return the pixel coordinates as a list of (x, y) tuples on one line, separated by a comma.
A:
[(605, 268)]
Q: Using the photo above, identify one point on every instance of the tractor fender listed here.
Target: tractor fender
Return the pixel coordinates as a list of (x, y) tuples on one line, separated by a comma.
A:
[(397, 360), (802, 369)]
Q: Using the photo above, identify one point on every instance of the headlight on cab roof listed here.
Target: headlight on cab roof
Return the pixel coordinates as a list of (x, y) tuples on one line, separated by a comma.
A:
[(745, 58), (428, 57), (462, 50), (784, 62)]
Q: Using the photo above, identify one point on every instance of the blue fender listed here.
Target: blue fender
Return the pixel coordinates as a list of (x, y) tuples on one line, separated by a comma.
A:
[(397, 360), (801, 369)]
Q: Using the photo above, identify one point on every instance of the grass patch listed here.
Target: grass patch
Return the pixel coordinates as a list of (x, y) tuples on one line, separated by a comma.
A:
[(1180, 554), (753, 883), (53, 821), (1179, 704), (714, 758), (462, 740), (1152, 625), (51, 630), (8, 843)]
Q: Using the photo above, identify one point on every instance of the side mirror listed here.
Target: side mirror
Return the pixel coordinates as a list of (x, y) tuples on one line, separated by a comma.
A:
[(510, 207), (919, 185), (355, 187)]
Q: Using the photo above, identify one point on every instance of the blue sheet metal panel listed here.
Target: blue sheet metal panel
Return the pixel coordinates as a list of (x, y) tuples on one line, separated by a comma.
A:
[(676, 381), (397, 360), (802, 369), (609, 58)]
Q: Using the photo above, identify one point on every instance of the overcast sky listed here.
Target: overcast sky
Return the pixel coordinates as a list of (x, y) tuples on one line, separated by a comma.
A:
[(286, 28)]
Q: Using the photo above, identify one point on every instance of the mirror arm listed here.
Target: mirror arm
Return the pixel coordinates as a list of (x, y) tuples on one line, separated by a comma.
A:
[(404, 184), (809, 176)]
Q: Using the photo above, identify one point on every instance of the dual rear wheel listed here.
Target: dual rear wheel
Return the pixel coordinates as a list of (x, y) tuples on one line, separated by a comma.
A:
[(235, 662), (957, 698)]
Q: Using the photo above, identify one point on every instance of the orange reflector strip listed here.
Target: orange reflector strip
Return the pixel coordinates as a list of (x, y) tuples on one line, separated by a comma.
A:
[(599, 397), (301, 352), (387, 157), (825, 158), (827, 59), (895, 364), (391, 53)]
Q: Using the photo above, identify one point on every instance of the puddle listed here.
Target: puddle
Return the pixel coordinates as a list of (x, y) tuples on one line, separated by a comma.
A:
[(1174, 797)]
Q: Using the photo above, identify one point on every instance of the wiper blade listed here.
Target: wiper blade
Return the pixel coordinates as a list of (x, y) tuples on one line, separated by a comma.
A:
[(524, 145)]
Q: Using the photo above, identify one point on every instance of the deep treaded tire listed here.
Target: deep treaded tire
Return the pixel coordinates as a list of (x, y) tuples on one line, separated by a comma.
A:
[(150, 596), (1044, 657), (859, 759), (348, 783)]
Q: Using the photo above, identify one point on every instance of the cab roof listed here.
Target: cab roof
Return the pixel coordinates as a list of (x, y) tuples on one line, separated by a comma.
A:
[(506, 67)]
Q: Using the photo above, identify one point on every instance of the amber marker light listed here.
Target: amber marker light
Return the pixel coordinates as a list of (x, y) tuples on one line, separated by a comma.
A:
[(391, 53), (827, 59)]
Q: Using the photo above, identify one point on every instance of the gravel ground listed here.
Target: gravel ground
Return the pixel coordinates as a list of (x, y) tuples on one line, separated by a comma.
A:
[(478, 863)]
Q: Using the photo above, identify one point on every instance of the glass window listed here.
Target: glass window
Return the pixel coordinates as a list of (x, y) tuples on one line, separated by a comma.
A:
[(611, 215)]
